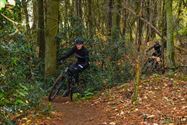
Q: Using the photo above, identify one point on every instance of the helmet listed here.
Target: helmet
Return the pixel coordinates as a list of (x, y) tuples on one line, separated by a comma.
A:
[(79, 40)]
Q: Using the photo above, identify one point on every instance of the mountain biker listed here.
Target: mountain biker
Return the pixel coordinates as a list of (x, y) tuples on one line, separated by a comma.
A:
[(157, 52), (82, 55)]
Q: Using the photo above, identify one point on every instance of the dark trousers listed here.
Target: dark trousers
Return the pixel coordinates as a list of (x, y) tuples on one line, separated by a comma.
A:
[(75, 69)]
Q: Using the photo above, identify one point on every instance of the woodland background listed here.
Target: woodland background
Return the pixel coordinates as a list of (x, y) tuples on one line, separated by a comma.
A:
[(35, 33)]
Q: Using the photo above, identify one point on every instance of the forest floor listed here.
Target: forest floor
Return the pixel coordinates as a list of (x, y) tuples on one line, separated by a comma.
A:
[(162, 101)]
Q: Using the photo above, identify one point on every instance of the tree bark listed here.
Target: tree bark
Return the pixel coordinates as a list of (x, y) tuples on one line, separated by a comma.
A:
[(24, 4), (163, 25), (90, 19), (117, 19), (110, 8), (79, 8), (51, 32), (41, 34), (139, 26), (35, 14), (170, 41)]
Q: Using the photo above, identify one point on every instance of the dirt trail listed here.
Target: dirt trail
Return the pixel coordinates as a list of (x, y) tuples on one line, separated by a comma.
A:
[(79, 113), (160, 99)]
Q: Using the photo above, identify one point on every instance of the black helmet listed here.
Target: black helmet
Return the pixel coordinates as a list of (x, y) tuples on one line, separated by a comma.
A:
[(79, 40)]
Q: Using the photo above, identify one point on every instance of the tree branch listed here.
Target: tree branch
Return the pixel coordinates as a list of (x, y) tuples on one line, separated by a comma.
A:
[(144, 20), (12, 21)]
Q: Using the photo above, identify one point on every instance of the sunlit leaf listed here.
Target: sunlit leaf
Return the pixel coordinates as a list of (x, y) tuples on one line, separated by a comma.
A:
[(2, 4)]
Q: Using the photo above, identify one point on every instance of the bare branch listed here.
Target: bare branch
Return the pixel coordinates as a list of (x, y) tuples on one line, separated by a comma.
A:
[(12, 21)]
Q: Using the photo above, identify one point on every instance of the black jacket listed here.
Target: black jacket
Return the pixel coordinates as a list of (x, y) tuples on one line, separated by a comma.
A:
[(82, 55), (157, 49)]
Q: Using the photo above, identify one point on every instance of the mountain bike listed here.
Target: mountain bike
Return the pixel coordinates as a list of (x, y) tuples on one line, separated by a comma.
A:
[(64, 78), (153, 64)]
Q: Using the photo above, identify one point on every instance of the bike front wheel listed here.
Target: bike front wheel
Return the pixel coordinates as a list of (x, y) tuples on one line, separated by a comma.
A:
[(56, 88)]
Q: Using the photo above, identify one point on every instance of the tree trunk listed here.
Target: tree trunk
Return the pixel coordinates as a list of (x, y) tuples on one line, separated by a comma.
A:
[(24, 4), (125, 17), (35, 14), (110, 7), (139, 26), (90, 19), (137, 81), (148, 15), (78, 5), (67, 6), (170, 41), (117, 17), (41, 34), (51, 32), (163, 25)]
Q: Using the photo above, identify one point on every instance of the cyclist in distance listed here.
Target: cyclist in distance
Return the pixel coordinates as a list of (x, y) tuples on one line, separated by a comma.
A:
[(156, 55), (82, 55), (157, 50)]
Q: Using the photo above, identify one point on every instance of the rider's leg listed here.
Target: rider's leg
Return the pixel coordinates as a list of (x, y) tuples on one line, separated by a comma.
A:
[(73, 74), (75, 69)]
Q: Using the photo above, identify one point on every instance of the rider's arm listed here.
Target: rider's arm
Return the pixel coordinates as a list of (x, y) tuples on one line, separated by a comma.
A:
[(68, 53)]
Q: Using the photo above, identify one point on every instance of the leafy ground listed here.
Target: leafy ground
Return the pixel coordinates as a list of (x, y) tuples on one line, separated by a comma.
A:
[(162, 100)]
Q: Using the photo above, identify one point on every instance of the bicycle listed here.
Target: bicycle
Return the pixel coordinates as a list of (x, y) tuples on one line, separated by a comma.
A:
[(153, 64), (64, 77)]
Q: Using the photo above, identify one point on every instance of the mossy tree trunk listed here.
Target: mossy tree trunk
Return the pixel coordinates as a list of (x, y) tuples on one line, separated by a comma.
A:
[(170, 41), (51, 31)]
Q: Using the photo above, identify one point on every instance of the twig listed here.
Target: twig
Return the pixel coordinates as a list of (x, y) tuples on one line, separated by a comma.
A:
[(181, 49), (16, 23)]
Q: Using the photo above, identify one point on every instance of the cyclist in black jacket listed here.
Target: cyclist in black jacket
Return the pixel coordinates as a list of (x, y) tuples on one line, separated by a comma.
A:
[(156, 55), (157, 49), (82, 55)]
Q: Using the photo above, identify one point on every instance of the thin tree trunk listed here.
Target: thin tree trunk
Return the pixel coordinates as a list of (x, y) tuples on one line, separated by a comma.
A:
[(139, 27), (118, 18), (35, 14), (125, 18), (90, 18), (163, 25), (110, 8), (170, 41), (41, 34), (148, 34), (24, 3), (78, 6), (137, 81), (80, 9)]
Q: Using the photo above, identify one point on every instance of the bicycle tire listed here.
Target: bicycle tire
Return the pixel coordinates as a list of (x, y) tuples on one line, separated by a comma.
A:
[(71, 94), (147, 66), (71, 89), (56, 88)]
